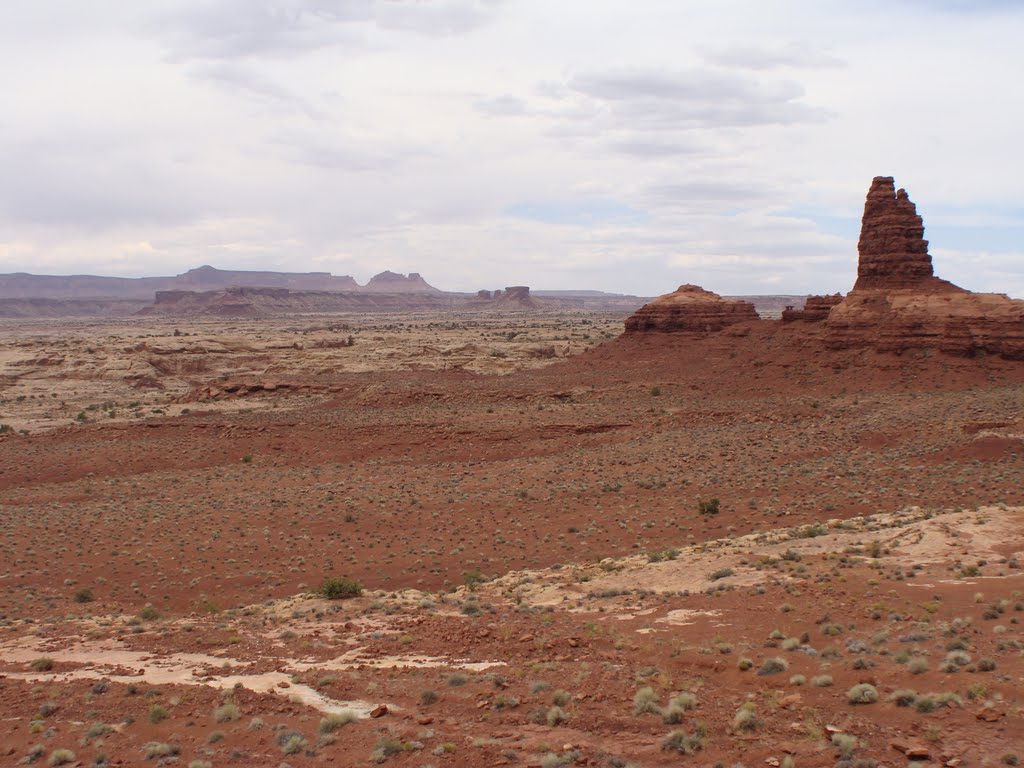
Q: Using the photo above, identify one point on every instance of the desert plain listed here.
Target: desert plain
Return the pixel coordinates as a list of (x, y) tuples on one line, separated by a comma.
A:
[(571, 547)]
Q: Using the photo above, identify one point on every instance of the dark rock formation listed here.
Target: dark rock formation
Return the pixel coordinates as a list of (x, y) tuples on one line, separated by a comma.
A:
[(690, 310), (897, 304), (815, 309)]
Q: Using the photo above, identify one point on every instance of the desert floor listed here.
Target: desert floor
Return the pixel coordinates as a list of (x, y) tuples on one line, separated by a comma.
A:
[(529, 505)]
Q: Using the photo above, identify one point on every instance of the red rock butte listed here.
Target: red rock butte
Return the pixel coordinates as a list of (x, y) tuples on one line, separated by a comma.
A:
[(691, 310), (898, 304), (893, 251)]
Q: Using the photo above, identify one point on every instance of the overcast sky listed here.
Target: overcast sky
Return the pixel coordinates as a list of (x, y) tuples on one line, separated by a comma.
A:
[(623, 145)]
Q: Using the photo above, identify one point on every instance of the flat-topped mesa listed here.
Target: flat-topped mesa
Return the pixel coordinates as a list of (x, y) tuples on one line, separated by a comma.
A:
[(893, 251), (689, 310)]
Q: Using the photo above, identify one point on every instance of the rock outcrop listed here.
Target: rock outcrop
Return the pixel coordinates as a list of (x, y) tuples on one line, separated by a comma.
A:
[(690, 310), (392, 282), (815, 310), (513, 297), (897, 303)]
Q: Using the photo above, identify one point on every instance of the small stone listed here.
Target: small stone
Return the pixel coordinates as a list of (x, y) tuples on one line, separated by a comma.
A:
[(379, 711)]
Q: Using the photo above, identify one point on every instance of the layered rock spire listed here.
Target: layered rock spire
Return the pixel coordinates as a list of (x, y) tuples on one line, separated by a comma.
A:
[(893, 251)]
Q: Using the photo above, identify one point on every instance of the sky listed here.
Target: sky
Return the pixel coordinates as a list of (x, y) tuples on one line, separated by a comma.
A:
[(619, 145)]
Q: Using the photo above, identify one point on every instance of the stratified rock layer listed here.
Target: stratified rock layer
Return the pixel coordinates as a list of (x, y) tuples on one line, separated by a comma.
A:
[(897, 304), (691, 310), (815, 310), (892, 248)]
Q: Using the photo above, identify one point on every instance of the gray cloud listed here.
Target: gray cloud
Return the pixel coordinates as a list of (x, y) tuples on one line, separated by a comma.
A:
[(229, 29), (645, 148), (797, 55), (438, 18), (694, 98), (699, 192), (240, 79), (504, 106)]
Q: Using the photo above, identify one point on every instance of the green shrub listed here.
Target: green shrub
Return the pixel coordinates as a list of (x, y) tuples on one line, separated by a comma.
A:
[(226, 713), (709, 507), (645, 702), (685, 743), (821, 681), (560, 698), (745, 718), (340, 589), (862, 693), (61, 757), (845, 743), (157, 714), (154, 749), (291, 742), (903, 697), (428, 697), (773, 666), (335, 720), (556, 716)]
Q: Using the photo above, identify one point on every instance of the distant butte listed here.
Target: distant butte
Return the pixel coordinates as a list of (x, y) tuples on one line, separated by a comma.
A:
[(690, 310)]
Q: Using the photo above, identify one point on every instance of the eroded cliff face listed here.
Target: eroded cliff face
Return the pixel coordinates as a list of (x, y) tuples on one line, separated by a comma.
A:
[(690, 310), (898, 304)]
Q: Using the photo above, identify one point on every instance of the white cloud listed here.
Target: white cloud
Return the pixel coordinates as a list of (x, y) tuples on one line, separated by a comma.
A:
[(358, 135)]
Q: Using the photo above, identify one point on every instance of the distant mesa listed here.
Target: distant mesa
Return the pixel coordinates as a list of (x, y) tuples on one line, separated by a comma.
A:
[(898, 304), (392, 282), (690, 310), (514, 296), (205, 278)]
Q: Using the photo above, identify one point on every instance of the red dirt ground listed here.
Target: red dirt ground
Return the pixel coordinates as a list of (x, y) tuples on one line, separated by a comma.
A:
[(411, 480)]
